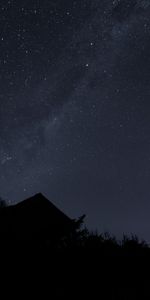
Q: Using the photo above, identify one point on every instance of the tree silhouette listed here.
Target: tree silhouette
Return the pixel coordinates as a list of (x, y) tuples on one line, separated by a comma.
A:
[(2, 203)]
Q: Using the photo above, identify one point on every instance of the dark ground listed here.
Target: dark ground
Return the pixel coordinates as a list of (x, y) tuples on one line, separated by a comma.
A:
[(44, 260)]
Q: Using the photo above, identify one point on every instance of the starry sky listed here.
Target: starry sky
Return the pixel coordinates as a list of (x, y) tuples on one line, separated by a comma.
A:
[(75, 108)]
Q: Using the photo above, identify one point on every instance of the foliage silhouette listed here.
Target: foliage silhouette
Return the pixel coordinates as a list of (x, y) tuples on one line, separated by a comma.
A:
[(67, 260), (2, 203)]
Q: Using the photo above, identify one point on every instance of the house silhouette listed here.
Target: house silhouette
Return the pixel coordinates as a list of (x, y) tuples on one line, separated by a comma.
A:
[(34, 219)]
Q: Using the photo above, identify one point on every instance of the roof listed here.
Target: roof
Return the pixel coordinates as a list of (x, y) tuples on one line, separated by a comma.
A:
[(40, 204), (35, 216)]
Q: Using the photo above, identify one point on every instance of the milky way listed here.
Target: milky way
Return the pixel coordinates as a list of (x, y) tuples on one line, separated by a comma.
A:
[(75, 108)]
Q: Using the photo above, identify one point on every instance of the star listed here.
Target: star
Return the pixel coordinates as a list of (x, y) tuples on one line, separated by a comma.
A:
[(74, 107)]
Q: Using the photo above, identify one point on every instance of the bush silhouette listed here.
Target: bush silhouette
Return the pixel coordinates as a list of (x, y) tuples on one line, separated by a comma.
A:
[(76, 262)]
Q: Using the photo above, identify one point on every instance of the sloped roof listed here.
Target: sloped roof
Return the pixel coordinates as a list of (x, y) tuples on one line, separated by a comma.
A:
[(34, 216), (40, 204)]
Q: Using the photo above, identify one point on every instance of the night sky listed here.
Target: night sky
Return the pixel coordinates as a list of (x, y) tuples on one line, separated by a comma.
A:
[(75, 108)]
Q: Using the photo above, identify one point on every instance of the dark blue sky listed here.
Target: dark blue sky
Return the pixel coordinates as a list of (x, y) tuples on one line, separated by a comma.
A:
[(75, 108)]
